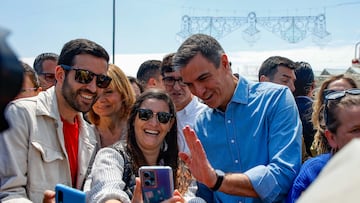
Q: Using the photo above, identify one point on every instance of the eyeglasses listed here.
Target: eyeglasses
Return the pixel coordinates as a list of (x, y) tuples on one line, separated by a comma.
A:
[(85, 77), (337, 95), (49, 77), (162, 117), (170, 81)]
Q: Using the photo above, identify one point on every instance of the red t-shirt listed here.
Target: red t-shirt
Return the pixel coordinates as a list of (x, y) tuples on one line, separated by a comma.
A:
[(71, 137)]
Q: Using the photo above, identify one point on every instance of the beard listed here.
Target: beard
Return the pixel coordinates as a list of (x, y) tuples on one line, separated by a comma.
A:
[(73, 96)]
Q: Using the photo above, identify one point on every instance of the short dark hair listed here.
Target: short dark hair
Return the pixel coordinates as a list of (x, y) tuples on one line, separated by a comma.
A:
[(81, 46), (206, 45), (41, 58), (148, 69), (304, 78), (167, 64), (270, 66)]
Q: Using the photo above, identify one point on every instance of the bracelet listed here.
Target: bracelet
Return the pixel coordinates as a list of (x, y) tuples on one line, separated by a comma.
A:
[(219, 180)]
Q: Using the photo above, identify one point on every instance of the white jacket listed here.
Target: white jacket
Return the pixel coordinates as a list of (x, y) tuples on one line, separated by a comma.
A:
[(33, 157)]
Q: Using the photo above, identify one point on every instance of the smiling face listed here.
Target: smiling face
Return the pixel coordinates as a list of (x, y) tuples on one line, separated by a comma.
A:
[(109, 103), (215, 86), (80, 97), (150, 134)]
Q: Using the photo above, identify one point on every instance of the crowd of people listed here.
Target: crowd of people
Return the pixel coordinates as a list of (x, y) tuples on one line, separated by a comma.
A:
[(80, 121)]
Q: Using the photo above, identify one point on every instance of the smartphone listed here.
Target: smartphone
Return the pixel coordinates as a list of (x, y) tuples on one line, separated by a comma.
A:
[(66, 194), (157, 183)]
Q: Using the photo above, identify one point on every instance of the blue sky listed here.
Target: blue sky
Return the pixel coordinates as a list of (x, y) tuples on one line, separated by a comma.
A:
[(146, 27)]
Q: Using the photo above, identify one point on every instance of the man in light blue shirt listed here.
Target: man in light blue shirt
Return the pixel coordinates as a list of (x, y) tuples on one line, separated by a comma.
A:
[(247, 147)]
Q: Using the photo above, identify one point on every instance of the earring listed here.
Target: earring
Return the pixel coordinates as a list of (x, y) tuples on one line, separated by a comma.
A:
[(164, 146)]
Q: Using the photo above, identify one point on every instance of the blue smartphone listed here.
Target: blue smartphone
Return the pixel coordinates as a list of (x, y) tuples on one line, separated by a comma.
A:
[(66, 194), (157, 183)]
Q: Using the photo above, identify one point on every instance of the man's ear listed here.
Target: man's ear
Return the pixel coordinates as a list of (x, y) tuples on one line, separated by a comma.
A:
[(151, 82), (59, 74), (331, 139), (225, 61), (263, 78)]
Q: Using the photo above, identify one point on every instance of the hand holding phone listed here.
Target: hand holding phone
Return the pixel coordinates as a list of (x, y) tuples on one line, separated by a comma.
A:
[(157, 183), (66, 194)]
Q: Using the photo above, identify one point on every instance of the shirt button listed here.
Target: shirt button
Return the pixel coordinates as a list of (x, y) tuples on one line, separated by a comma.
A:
[(236, 161), (229, 121), (232, 141)]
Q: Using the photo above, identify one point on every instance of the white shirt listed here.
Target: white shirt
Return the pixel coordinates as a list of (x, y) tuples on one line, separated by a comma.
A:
[(187, 116)]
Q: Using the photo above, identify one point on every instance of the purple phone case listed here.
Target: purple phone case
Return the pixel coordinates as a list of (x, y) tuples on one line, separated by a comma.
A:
[(157, 183)]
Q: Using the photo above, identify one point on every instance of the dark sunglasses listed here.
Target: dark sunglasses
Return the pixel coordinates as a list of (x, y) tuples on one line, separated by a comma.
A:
[(162, 117), (336, 95), (85, 77), (49, 77), (170, 81)]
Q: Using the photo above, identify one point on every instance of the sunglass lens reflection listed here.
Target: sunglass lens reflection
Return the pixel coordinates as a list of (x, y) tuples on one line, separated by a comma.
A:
[(146, 114), (85, 77), (163, 117)]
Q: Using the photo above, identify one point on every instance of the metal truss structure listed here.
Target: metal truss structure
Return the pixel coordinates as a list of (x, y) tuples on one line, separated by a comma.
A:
[(292, 29)]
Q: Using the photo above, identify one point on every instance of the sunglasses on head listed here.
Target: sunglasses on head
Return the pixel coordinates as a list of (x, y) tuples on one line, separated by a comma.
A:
[(162, 117), (85, 76), (337, 95)]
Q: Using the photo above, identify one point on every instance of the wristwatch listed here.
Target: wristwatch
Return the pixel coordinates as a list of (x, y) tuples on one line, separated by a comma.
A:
[(220, 177)]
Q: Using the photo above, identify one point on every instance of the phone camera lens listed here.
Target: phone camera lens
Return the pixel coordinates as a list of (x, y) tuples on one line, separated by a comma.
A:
[(148, 182), (147, 174)]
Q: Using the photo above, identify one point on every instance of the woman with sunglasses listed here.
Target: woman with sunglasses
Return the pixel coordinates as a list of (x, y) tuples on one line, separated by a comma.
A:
[(338, 82), (110, 112), (151, 140), (342, 121)]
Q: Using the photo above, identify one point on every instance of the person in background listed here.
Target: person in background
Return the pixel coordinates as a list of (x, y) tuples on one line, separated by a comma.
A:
[(11, 78), (31, 85), (304, 87), (44, 65), (342, 121), (136, 86), (50, 142), (152, 140), (149, 75), (279, 70), (110, 112), (320, 144), (247, 146), (188, 106)]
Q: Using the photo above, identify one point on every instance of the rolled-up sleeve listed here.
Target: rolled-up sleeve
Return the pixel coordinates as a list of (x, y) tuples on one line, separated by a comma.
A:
[(272, 181)]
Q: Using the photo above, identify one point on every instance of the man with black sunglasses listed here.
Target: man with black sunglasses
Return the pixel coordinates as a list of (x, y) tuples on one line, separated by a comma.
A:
[(49, 141)]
